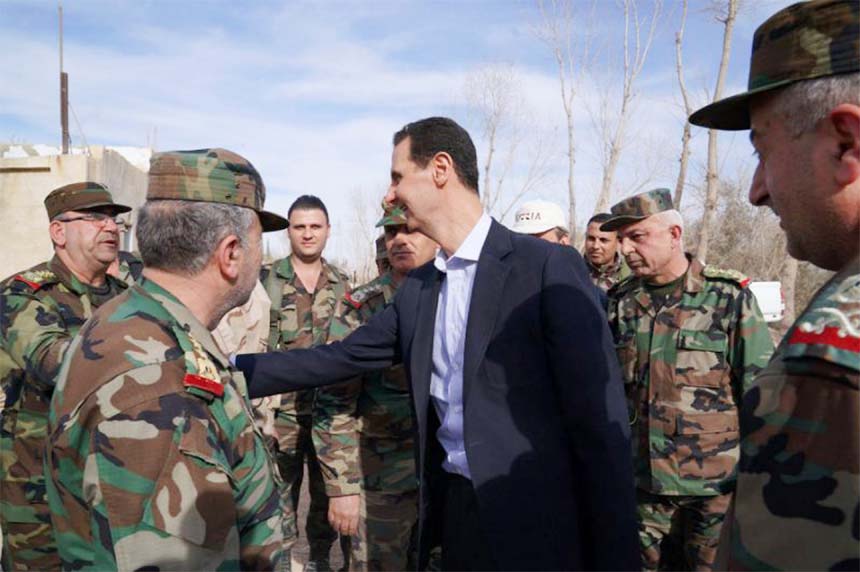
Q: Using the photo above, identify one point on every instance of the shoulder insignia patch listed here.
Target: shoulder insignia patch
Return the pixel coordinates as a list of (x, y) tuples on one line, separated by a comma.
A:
[(207, 378), (726, 274), (211, 387), (362, 294), (35, 279)]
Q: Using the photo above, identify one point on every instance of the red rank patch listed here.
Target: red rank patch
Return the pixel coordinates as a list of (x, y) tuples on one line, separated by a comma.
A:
[(745, 282), (33, 285), (206, 384), (352, 302), (830, 336)]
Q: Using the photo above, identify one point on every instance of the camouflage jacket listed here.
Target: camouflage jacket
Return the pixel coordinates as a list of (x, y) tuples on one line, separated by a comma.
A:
[(608, 276), (798, 492), (41, 309), (302, 319), (153, 460), (685, 367), (363, 430)]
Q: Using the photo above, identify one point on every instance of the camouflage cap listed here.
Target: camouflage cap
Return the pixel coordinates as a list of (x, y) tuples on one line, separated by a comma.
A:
[(81, 197), (212, 176), (393, 214), (638, 207), (381, 250), (805, 41)]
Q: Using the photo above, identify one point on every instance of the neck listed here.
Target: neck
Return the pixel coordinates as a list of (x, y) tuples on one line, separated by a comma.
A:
[(305, 264), (608, 265), (195, 293), (454, 224), (88, 274), (676, 268)]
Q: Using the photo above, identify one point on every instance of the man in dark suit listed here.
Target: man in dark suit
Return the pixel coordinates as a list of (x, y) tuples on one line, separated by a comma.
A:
[(524, 457)]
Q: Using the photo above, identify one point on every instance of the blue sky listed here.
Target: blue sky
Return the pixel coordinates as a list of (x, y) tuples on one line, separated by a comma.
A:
[(311, 92)]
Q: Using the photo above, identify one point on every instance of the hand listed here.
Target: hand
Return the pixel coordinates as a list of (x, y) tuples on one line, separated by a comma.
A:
[(343, 513)]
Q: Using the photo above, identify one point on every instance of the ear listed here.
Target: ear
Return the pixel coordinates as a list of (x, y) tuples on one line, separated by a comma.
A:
[(676, 232), (228, 257), (442, 166), (845, 119), (57, 230)]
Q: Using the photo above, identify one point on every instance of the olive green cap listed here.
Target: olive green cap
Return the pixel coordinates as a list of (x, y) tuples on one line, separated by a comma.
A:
[(381, 250), (211, 176), (393, 214), (638, 207), (805, 41), (81, 197)]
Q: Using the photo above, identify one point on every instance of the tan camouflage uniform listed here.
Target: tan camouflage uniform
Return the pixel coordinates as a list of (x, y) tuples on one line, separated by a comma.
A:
[(363, 432), (303, 320)]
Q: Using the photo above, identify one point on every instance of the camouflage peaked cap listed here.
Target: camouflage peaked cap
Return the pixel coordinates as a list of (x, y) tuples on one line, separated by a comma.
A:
[(393, 214), (807, 40), (211, 176), (381, 250), (638, 207), (81, 197)]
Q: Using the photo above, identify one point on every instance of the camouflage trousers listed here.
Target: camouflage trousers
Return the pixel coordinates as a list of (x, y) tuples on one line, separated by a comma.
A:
[(696, 520), (385, 527), (295, 449)]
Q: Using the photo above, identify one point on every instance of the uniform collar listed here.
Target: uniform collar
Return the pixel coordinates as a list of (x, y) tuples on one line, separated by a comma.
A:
[(285, 270), (70, 281)]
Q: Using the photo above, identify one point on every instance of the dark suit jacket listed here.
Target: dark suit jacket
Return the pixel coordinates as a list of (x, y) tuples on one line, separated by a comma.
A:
[(545, 419)]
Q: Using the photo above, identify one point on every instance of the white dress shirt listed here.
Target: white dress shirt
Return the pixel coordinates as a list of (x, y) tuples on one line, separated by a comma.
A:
[(449, 341)]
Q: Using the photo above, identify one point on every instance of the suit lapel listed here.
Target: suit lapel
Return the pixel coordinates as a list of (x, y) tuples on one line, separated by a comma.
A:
[(421, 348), (486, 300)]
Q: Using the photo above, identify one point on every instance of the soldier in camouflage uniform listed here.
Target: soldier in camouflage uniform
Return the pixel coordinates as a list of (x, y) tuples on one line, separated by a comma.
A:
[(689, 338), (797, 504), (307, 293), (41, 309), (363, 430), (605, 264), (153, 460), (127, 267), (382, 263)]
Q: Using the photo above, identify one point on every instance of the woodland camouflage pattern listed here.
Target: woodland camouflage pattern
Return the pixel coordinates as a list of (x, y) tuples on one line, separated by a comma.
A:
[(41, 309), (610, 275), (363, 430), (638, 207), (799, 473), (153, 460), (685, 368), (302, 320), (805, 41)]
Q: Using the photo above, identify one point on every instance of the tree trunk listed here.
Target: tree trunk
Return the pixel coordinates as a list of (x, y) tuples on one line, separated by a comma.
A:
[(712, 181), (685, 137)]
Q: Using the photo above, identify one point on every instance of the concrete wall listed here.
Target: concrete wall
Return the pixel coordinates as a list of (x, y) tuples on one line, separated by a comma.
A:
[(26, 181)]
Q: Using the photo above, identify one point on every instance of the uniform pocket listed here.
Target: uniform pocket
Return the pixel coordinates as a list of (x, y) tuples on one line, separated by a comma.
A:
[(701, 358), (706, 444)]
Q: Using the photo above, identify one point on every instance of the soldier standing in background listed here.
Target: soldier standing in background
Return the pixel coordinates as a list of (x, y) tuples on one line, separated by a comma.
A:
[(42, 309), (797, 502), (689, 338), (605, 264), (307, 294), (382, 263), (363, 431), (153, 459)]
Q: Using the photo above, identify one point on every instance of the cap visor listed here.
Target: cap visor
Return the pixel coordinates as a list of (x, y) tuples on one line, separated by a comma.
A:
[(732, 113), (614, 224), (271, 221), (115, 207)]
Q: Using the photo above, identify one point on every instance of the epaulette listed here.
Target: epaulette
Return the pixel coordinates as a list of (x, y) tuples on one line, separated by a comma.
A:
[(622, 286), (726, 274), (362, 294), (36, 279), (203, 379)]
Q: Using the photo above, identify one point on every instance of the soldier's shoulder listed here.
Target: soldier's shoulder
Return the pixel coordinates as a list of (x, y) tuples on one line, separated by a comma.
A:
[(341, 274), (827, 329), (366, 293), (726, 275), (623, 286), (31, 280)]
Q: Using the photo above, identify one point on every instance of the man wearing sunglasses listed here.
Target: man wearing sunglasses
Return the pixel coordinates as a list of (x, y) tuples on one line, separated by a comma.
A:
[(41, 309)]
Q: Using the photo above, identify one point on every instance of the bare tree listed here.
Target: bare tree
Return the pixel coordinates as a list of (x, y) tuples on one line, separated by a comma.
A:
[(712, 179), (636, 50), (685, 137), (556, 30)]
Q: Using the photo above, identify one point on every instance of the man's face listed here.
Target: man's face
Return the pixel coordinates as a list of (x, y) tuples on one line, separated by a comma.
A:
[(788, 179), (600, 247), (412, 186), (90, 238), (407, 250), (308, 232), (554, 236), (647, 246)]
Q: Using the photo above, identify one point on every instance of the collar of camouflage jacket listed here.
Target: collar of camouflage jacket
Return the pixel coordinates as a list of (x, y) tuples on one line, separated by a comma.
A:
[(66, 277), (285, 269), (610, 268), (693, 282), (182, 316)]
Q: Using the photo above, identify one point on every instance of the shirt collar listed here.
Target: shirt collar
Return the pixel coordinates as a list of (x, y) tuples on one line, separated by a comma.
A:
[(470, 249)]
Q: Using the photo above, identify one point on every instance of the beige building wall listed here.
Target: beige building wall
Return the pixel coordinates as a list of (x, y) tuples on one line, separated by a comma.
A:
[(26, 181)]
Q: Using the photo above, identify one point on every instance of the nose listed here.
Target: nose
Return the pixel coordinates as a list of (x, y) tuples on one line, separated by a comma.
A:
[(390, 196), (626, 246), (758, 194)]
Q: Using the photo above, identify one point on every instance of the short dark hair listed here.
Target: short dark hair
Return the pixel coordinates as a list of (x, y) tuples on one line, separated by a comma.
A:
[(600, 217), (437, 134), (308, 203)]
